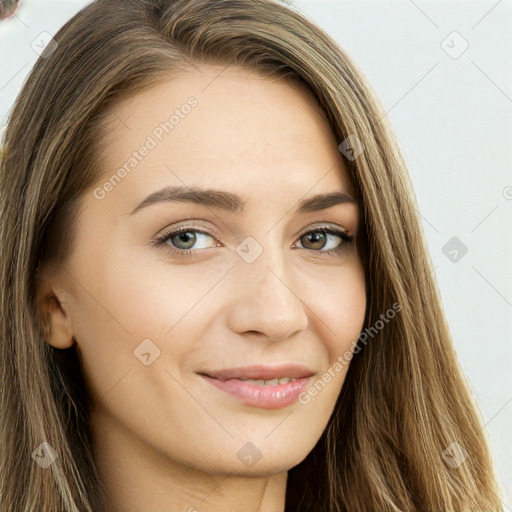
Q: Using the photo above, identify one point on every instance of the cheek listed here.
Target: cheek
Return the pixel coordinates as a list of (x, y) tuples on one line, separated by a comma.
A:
[(341, 309), (152, 293), (129, 303), (340, 313)]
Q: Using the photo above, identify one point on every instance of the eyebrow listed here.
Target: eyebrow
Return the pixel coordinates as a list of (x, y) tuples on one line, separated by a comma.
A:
[(234, 203)]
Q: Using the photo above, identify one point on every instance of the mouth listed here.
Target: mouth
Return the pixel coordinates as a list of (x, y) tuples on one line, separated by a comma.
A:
[(268, 374), (267, 387)]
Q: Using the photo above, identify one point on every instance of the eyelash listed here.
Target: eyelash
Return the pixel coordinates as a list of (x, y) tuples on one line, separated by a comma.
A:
[(161, 240)]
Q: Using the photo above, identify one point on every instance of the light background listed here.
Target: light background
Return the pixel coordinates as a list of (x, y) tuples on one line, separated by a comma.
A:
[(453, 118)]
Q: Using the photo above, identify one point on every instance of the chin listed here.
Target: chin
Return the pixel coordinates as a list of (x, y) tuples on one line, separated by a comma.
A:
[(247, 460)]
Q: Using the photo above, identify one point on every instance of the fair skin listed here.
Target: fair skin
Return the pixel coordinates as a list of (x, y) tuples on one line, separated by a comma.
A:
[(164, 438)]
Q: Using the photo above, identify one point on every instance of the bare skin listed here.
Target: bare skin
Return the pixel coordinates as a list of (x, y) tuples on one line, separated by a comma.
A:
[(165, 439)]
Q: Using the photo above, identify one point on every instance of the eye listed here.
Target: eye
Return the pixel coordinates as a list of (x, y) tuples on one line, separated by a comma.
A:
[(317, 238), (186, 238), (180, 241)]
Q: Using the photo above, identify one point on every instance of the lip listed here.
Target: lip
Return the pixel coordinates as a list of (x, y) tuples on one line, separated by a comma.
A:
[(263, 372), (262, 396)]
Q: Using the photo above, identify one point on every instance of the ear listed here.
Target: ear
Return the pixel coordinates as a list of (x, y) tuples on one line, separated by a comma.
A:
[(52, 311)]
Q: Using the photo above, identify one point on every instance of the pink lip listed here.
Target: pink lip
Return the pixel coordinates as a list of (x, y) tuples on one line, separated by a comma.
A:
[(263, 372), (263, 396), (266, 397)]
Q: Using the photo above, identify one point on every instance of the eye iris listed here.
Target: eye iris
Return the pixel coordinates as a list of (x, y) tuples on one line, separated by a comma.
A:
[(317, 238), (187, 237)]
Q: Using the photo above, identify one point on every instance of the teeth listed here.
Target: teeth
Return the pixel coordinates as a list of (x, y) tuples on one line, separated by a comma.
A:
[(272, 382)]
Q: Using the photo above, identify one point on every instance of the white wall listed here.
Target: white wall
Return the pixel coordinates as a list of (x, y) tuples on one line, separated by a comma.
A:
[(453, 117)]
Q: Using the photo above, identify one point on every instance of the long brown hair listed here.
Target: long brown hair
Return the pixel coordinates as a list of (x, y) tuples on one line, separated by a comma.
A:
[(404, 399)]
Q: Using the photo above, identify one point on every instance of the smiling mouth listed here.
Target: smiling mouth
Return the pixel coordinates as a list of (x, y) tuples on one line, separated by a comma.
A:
[(267, 387)]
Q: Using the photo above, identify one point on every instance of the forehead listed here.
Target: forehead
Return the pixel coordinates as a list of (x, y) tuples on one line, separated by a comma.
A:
[(224, 128)]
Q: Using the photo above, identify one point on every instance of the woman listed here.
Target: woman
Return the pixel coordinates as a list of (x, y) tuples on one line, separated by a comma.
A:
[(298, 361)]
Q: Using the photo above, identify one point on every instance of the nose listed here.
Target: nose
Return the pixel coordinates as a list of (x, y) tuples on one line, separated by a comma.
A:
[(265, 300)]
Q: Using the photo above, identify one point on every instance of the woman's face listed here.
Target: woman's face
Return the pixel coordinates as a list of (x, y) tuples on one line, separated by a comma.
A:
[(242, 286)]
